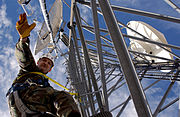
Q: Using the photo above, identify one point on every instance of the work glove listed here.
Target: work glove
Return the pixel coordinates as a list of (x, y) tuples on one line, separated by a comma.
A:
[(23, 27)]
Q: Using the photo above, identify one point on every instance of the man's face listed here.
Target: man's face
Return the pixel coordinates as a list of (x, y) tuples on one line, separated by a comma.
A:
[(44, 65)]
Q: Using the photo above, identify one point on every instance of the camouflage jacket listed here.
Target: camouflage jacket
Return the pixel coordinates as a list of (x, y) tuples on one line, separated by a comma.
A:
[(37, 92), (27, 64), (38, 97)]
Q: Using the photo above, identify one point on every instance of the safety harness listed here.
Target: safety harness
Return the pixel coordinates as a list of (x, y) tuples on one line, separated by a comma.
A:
[(20, 86), (22, 107)]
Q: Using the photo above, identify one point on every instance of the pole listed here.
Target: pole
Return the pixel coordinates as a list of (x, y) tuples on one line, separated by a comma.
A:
[(99, 54), (133, 83), (87, 59)]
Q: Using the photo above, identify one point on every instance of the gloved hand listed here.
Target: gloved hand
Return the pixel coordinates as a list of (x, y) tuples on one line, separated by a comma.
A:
[(23, 27)]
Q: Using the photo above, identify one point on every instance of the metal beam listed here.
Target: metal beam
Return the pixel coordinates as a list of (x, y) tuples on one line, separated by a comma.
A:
[(147, 14), (142, 13), (145, 39), (169, 104), (152, 42), (85, 87), (120, 23), (74, 76), (131, 77), (151, 55), (87, 59), (123, 107), (173, 5), (137, 38), (100, 55)]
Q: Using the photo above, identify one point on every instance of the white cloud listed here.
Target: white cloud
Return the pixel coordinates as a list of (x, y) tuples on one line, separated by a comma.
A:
[(5, 27), (8, 65), (8, 71), (4, 21), (4, 113)]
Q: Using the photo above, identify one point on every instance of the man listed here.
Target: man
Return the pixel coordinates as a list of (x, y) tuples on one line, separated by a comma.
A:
[(31, 95)]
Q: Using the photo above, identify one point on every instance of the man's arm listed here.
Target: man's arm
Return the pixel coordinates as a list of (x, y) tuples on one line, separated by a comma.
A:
[(24, 56), (22, 51)]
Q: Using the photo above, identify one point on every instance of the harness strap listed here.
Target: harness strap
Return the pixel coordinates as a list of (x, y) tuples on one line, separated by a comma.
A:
[(51, 80), (22, 107), (39, 73), (25, 111)]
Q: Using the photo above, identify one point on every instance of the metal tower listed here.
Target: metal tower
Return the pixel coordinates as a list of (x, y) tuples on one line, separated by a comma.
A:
[(107, 75), (110, 78)]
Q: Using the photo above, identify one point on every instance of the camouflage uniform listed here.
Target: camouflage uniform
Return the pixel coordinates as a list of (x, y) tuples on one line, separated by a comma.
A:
[(38, 95)]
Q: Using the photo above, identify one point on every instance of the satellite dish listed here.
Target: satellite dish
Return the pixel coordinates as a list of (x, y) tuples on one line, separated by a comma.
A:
[(144, 47), (56, 18)]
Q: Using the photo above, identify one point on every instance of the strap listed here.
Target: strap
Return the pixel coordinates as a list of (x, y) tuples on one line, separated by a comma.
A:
[(21, 106), (21, 76), (16, 87), (54, 82), (51, 80), (39, 73)]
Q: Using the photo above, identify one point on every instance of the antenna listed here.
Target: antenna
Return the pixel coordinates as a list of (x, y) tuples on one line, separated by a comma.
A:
[(55, 20), (148, 48)]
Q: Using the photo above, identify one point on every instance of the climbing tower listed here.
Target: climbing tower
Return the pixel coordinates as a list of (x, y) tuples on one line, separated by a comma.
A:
[(109, 73), (115, 68)]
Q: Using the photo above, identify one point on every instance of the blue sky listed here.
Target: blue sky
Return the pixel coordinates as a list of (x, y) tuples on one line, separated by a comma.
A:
[(10, 10)]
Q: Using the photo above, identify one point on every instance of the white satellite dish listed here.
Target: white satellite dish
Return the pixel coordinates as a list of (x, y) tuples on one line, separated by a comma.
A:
[(144, 47), (56, 18)]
